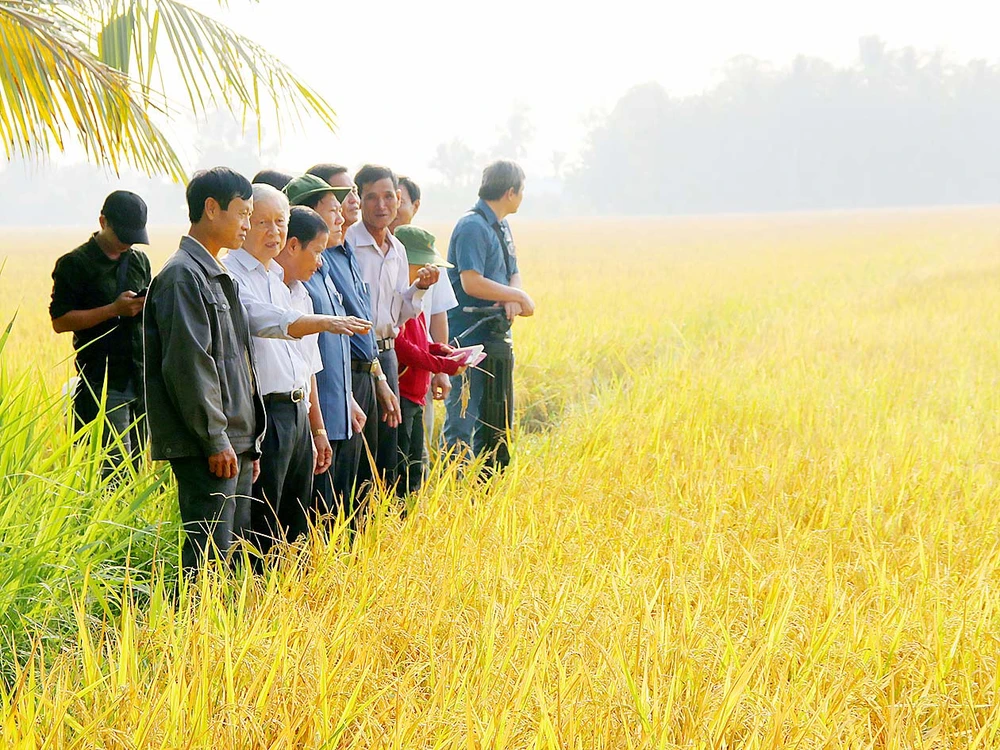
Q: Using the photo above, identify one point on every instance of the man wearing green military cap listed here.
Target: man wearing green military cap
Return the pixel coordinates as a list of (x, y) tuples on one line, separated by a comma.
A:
[(419, 359)]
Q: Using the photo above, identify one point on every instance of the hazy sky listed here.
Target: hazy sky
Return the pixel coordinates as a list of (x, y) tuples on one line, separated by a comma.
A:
[(405, 76)]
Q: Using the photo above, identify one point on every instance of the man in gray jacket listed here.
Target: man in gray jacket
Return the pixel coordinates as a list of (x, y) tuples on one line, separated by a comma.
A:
[(206, 415)]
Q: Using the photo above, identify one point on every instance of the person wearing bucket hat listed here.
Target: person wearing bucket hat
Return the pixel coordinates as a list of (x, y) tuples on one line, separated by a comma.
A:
[(419, 359), (98, 293)]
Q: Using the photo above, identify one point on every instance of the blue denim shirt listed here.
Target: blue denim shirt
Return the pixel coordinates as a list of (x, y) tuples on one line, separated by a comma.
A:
[(333, 382), (474, 246), (341, 265)]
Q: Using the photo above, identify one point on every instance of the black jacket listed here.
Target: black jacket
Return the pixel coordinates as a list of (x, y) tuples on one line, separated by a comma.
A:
[(201, 386)]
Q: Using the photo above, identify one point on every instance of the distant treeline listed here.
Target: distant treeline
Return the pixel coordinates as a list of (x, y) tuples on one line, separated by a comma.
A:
[(896, 128)]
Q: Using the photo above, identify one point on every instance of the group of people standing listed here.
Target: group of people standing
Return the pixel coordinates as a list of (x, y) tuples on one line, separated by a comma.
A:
[(285, 358)]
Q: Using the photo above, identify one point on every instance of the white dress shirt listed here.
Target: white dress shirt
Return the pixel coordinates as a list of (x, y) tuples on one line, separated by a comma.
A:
[(281, 367), (308, 345), (394, 299)]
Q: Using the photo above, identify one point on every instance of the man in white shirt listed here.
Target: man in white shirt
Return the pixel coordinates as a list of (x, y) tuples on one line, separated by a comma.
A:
[(295, 444), (382, 259), (440, 298)]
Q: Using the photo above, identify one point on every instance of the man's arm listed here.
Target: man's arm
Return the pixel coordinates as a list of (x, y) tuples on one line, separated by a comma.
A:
[(477, 285), (323, 451), (270, 321), (126, 306)]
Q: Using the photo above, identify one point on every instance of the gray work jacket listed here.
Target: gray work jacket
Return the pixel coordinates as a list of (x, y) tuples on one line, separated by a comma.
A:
[(201, 386)]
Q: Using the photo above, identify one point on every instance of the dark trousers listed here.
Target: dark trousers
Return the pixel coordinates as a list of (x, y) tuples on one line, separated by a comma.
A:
[(481, 425), (215, 512), (283, 491), (412, 456), (385, 458), (352, 469), (125, 417)]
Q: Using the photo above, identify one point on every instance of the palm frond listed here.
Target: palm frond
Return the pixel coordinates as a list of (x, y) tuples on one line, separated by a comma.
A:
[(52, 90)]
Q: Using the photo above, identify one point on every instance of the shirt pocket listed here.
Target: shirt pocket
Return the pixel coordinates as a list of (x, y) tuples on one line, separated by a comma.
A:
[(223, 331)]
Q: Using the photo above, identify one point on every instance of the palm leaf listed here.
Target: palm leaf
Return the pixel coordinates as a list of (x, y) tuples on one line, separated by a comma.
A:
[(65, 73), (52, 89)]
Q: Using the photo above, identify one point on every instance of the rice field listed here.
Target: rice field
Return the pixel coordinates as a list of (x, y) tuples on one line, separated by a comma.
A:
[(754, 505)]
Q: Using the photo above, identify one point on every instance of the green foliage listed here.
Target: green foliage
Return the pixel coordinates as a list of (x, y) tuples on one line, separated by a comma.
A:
[(65, 74)]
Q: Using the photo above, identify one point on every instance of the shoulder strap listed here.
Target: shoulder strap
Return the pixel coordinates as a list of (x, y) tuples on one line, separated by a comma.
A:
[(123, 273), (498, 230)]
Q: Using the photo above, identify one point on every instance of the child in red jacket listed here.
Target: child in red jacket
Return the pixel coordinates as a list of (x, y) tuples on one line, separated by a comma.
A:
[(419, 358)]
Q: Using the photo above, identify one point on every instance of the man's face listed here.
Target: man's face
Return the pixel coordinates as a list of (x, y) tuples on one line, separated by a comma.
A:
[(112, 236), (330, 210), (379, 201), (308, 260), (351, 206), (407, 208), (268, 229), (232, 225), (515, 199)]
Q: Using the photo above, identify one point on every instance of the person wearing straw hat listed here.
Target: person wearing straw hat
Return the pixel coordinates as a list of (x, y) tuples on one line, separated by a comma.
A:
[(419, 359)]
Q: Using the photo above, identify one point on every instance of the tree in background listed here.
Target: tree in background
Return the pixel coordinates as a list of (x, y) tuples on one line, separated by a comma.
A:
[(93, 71), (896, 128)]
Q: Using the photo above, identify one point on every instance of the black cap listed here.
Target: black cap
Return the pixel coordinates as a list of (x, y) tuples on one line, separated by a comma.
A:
[(126, 212)]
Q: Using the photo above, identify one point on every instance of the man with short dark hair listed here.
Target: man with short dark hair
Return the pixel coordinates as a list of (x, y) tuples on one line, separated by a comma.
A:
[(486, 276), (286, 358), (440, 298), (98, 294), (206, 414), (340, 281), (337, 175), (382, 259), (272, 177)]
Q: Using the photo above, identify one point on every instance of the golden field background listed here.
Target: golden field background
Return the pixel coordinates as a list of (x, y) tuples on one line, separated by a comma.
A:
[(754, 505)]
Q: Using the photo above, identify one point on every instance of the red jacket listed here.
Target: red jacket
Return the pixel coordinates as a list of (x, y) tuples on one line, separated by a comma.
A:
[(418, 358)]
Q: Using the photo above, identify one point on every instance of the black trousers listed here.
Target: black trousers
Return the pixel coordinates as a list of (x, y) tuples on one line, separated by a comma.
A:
[(283, 491), (125, 417), (352, 468), (385, 458), (215, 512), (496, 410), (412, 459)]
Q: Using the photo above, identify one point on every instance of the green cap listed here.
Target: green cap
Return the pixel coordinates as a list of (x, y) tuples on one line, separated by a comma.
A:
[(419, 244), (306, 186), (342, 192)]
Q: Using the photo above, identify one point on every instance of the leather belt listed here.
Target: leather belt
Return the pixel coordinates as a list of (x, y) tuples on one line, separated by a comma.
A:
[(386, 344), (361, 365), (292, 397)]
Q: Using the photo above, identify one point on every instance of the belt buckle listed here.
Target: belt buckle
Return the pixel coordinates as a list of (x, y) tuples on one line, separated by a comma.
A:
[(297, 395)]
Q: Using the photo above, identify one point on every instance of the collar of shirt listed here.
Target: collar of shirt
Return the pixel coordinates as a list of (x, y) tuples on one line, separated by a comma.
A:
[(491, 217), (359, 236), (253, 265), (212, 265)]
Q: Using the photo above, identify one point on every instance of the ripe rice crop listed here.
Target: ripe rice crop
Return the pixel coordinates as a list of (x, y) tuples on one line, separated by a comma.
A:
[(753, 506)]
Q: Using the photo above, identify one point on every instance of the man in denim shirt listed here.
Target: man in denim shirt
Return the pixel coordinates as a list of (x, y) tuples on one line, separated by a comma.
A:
[(486, 275)]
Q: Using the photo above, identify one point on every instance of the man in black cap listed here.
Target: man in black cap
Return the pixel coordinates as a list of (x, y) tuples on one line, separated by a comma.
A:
[(98, 293)]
